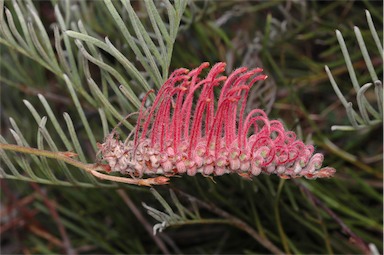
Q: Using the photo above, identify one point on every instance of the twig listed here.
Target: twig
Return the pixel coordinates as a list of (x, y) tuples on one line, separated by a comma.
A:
[(18, 204), (47, 236), (18, 221), (355, 239), (160, 180), (12, 209), (90, 168), (234, 221), (127, 200), (63, 156), (52, 208)]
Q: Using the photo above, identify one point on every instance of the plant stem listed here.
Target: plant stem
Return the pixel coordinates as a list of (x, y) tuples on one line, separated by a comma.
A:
[(90, 168), (127, 200), (55, 215), (63, 156), (355, 239), (234, 221), (283, 236)]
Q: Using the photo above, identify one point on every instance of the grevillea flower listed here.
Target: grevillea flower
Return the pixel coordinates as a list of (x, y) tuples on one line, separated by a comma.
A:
[(188, 131)]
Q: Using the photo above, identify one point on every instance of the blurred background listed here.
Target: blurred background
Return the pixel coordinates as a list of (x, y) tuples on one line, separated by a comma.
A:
[(291, 40)]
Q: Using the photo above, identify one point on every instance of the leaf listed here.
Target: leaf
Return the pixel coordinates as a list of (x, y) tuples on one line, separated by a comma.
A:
[(23, 34), (367, 115)]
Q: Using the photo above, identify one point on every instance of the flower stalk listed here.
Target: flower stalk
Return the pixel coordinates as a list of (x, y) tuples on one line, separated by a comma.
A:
[(93, 169)]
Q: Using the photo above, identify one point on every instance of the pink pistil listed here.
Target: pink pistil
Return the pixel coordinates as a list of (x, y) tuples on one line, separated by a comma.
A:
[(187, 131)]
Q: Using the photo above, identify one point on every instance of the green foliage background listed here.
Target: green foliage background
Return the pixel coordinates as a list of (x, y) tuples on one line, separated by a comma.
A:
[(79, 72)]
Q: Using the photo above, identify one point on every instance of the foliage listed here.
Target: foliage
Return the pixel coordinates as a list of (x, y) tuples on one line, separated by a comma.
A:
[(70, 57), (75, 73), (362, 120)]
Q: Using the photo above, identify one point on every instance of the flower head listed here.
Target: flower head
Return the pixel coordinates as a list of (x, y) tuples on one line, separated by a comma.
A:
[(188, 131)]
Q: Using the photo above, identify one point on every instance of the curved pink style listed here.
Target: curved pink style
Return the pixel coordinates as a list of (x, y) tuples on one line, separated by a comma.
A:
[(188, 131)]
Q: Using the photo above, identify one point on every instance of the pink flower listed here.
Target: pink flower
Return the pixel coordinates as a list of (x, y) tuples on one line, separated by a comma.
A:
[(188, 131)]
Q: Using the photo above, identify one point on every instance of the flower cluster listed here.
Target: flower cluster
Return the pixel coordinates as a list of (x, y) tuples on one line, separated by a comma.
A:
[(187, 131)]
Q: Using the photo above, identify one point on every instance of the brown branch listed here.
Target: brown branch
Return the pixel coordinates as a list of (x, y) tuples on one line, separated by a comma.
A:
[(17, 205), (18, 221), (46, 235), (90, 168), (355, 239), (52, 208), (160, 180), (127, 200), (234, 221)]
